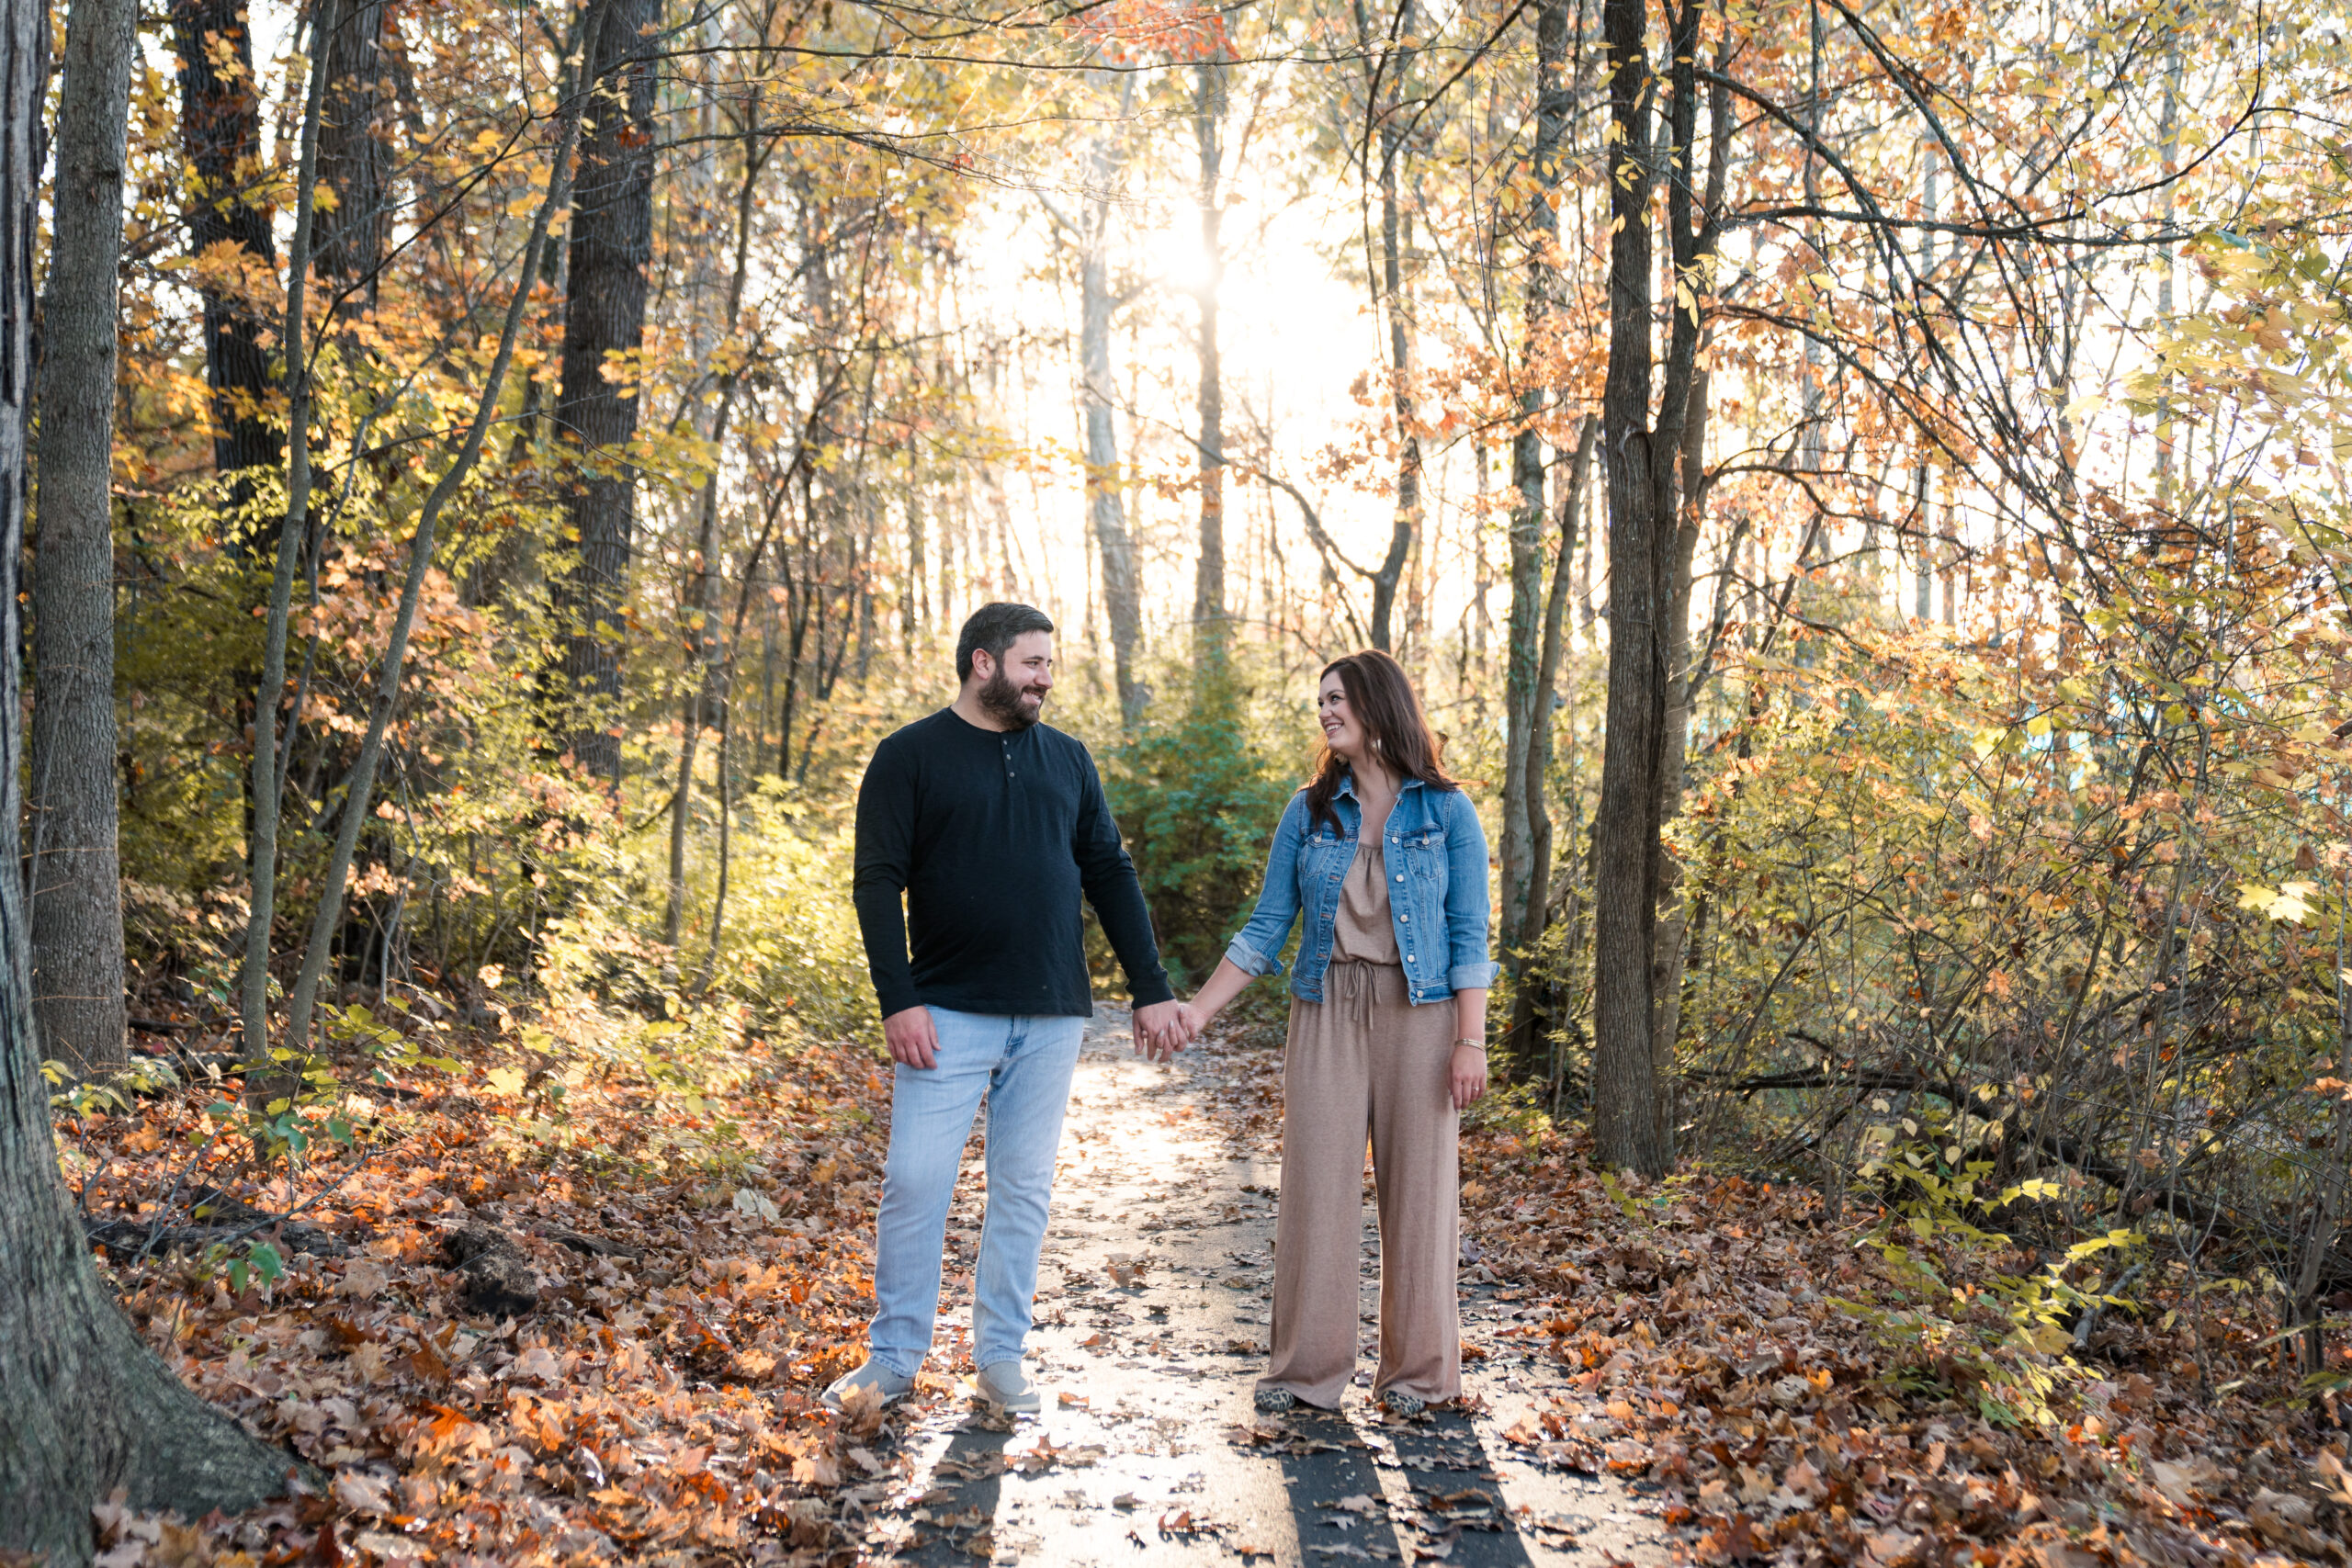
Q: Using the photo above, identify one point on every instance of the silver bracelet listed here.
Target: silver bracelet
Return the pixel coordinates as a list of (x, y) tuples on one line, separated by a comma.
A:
[(1477, 1045)]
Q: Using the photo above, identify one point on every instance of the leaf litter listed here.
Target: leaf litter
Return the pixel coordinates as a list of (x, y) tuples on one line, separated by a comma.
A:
[(656, 1399)]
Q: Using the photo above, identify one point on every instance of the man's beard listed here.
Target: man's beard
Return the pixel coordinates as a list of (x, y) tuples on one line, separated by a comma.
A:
[(1003, 698)]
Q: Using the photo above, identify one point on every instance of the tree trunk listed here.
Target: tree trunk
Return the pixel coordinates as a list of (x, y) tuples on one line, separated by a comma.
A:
[(1547, 683), (1522, 783), (703, 698), (726, 703), (354, 160), (912, 588), (695, 705), (1624, 1085), (611, 250), (1632, 1123), (1208, 118), (360, 787), (1393, 239), (1670, 949), (270, 1090), (89, 1406), (220, 136), (1538, 762), (1105, 512), (75, 886)]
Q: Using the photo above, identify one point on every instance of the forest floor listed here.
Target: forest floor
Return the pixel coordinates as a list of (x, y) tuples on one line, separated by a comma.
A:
[(522, 1333)]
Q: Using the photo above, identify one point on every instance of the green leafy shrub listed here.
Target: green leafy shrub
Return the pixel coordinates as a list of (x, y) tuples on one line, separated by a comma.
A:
[(1197, 790), (1993, 1335)]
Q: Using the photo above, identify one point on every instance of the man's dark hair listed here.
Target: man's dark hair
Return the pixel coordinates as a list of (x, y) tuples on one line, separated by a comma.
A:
[(994, 627)]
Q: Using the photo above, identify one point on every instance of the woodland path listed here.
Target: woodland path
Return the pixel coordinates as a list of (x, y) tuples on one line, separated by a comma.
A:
[(1152, 1307)]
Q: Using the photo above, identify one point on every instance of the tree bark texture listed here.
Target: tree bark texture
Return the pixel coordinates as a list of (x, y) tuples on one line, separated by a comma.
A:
[(75, 884), (1632, 1124), (1393, 240), (1106, 513), (1122, 595), (88, 1407), (1521, 784), (220, 136), (1547, 682), (1391, 62), (1669, 950), (611, 250), (1208, 123), (704, 699), (353, 156)]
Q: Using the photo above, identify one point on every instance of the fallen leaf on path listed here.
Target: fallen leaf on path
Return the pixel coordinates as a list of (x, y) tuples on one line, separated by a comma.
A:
[(1438, 1547)]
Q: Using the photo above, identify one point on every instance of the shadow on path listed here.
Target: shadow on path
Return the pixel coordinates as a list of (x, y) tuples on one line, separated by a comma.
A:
[(955, 1521), (1152, 1307)]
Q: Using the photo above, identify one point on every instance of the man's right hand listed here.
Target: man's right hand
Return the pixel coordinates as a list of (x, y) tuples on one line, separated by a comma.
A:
[(911, 1036)]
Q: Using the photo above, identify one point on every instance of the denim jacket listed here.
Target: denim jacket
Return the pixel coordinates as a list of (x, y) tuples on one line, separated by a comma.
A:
[(1436, 859)]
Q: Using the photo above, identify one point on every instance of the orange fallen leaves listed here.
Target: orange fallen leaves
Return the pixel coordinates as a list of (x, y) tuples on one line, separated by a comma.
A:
[(662, 1399), (1712, 1362)]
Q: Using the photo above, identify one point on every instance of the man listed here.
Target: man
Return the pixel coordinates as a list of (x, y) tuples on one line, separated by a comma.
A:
[(992, 824)]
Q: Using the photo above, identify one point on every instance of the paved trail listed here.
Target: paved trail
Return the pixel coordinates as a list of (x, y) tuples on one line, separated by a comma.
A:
[(1152, 1308)]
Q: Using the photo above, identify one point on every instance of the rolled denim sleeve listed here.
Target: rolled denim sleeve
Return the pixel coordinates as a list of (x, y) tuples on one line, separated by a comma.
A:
[(1257, 948), (1467, 904)]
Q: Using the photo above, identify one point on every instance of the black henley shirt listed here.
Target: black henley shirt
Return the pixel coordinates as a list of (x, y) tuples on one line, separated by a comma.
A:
[(994, 836)]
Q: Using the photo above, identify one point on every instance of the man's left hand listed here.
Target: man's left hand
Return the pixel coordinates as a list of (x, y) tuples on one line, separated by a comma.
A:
[(1159, 1031)]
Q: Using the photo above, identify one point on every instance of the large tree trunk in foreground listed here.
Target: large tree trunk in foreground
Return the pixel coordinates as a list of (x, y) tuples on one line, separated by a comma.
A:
[(85, 1405), (612, 249), (77, 887)]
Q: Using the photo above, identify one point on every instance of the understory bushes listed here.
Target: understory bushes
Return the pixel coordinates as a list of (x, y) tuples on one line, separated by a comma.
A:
[(2060, 919), (1197, 788)]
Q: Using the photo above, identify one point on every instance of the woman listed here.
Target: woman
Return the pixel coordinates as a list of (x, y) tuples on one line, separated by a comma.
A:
[(1382, 856)]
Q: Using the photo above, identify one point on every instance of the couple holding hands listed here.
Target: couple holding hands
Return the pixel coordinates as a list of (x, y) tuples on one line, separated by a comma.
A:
[(993, 827)]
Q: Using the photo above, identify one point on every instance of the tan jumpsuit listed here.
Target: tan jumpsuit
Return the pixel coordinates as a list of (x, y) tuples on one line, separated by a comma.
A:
[(1365, 1059)]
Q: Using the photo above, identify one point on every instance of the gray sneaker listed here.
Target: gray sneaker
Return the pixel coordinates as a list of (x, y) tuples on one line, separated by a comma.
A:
[(1007, 1386), (874, 1374)]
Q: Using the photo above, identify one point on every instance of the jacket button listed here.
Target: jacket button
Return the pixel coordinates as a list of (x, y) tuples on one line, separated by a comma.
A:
[(1400, 877), (1407, 920)]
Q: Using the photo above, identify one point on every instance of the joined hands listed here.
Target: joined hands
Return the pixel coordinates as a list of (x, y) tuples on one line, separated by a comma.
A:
[(1163, 1029)]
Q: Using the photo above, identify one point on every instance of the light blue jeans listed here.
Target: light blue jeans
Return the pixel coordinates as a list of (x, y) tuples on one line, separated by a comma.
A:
[(1023, 1064)]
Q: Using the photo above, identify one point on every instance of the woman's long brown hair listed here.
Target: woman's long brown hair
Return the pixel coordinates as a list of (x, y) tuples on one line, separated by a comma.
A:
[(1381, 696)]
